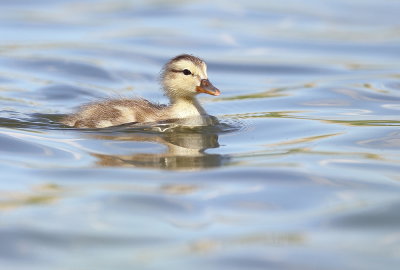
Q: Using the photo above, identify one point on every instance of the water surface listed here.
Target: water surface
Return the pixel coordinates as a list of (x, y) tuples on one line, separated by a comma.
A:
[(301, 173)]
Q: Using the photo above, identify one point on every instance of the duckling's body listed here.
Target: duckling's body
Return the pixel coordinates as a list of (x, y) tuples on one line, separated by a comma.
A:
[(183, 78)]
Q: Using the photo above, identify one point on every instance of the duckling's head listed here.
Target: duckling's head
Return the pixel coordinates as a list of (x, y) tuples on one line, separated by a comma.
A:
[(185, 76)]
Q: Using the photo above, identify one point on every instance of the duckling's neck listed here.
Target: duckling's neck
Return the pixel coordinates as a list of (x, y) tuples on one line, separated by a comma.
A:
[(185, 107)]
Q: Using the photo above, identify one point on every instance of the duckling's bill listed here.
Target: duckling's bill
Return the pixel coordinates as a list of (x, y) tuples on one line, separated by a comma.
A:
[(207, 87)]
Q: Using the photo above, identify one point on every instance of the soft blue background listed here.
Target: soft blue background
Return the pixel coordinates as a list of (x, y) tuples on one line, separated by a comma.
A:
[(302, 172)]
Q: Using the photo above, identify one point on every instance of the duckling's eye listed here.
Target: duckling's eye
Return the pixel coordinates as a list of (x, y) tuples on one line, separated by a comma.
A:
[(186, 72)]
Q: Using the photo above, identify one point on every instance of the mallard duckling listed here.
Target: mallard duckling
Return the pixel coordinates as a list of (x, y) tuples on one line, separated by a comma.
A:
[(183, 77)]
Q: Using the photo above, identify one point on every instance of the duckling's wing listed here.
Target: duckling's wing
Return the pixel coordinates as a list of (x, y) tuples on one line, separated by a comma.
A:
[(114, 112)]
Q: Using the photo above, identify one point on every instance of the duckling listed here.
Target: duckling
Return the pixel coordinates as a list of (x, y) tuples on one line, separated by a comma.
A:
[(183, 77)]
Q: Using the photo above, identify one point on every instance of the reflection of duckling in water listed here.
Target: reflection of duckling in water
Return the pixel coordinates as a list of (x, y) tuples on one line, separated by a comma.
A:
[(184, 151), (183, 78)]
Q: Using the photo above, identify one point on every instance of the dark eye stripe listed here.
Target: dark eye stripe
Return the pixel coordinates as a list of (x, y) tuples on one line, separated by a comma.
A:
[(185, 71)]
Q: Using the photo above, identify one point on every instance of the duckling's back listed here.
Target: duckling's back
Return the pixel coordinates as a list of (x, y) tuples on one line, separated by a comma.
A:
[(114, 112)]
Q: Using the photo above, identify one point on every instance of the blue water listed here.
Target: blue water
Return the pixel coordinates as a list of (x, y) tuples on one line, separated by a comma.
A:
[(301, 173)]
